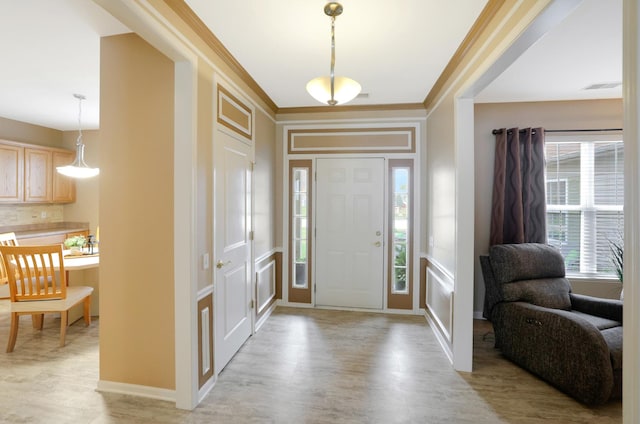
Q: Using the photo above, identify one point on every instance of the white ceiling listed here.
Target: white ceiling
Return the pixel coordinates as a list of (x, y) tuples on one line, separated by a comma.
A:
[(395, 49), (50, 50), (395, 53), (585, 49)]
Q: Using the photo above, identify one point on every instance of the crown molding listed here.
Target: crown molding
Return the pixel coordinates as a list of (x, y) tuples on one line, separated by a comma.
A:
[(351, 108), (185, 13), (487, 14)]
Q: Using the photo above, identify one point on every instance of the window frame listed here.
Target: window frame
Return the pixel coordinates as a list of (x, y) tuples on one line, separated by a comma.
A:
[(587, 206), (298, 294), (400, 300)]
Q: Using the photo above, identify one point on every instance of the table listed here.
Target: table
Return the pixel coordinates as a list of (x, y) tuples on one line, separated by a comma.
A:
[(79, 263), (76, 263)]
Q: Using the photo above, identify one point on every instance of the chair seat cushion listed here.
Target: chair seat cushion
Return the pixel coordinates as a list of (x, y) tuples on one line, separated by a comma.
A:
[(598, 322), (75, 294), (546, 292)]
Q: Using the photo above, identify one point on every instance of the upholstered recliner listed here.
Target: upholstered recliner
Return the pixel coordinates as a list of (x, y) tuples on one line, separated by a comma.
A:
[(572, 341)]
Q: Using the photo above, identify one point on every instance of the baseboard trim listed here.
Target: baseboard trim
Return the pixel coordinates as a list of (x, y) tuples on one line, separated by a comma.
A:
[(136, 390), (204, 390), (442, 340), (478, 315), (265, 316)]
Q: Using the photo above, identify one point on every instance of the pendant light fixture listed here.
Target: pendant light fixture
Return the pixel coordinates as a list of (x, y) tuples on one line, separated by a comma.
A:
[(333, 90), (78, 168)]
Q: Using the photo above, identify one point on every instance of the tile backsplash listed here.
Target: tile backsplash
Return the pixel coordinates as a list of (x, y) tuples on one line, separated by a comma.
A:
[(30, 214)]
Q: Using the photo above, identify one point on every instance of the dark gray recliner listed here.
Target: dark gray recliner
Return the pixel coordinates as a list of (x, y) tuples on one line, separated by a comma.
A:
[(572, 341)]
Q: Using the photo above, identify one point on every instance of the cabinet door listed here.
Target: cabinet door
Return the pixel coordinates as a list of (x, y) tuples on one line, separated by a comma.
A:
[(11, 173), (37, 175), (64, 188)]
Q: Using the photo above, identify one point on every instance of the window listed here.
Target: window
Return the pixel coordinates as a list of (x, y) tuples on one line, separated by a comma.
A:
[(300, 237), (585, 197), (400, 210), (300, 227), (399, 250)]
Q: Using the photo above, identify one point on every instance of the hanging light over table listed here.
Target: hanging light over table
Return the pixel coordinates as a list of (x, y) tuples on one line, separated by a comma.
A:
[(333, 90), (78, 168)]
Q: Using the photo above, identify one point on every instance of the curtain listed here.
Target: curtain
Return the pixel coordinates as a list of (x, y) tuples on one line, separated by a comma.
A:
[(518, 210)]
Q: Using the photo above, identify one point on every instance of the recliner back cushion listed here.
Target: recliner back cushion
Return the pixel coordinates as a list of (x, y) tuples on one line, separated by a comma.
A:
[(525, 261), (546, 292)]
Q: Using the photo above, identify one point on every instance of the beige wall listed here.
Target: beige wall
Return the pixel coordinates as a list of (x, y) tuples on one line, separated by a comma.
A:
[(441, 186), (29, 133), (136, 214), (550, 115), (265, 187)]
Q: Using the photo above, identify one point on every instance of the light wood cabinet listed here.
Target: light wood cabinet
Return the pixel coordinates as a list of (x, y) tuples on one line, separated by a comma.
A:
[(37, 175), (64, 188), (28, 174), (11, 173)]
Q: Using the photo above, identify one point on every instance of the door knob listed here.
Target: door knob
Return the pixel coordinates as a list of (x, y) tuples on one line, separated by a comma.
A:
[(220, 264), (377, 244)]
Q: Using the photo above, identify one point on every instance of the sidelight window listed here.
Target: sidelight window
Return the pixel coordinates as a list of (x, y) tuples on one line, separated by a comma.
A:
[(300, 227), (400, 221)]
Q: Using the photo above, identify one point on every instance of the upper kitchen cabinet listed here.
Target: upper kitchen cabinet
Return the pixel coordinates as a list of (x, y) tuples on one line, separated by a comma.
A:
[(28, 174), (11, 172), (64, 188), (37, 175)]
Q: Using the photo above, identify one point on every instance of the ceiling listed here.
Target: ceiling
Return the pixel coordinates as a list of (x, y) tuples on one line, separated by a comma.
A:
[(395, 50)]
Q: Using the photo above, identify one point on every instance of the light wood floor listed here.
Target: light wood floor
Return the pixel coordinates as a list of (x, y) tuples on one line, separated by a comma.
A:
[(303, 366)]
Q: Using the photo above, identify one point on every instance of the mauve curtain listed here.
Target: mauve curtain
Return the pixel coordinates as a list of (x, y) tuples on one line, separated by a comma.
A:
[(518, 211)]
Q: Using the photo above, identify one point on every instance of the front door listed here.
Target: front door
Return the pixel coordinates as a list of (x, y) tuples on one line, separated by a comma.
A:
[(349, 236), (232, 247)]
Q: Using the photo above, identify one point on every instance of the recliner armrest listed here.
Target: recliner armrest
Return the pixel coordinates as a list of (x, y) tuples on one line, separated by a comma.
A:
[(605, 308)]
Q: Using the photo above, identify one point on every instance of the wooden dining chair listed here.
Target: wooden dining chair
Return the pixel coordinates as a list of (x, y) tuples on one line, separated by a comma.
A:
[(6, 239), (37, 285)]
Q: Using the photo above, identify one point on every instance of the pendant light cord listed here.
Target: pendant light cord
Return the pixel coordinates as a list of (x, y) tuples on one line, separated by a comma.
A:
[(80, 98)]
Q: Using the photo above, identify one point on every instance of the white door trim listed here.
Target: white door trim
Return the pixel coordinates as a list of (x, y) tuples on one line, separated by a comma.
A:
[(631, 317)]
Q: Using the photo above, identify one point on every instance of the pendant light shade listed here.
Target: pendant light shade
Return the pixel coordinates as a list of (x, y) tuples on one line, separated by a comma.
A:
[(333, 90), (78, 168), (345, 89)]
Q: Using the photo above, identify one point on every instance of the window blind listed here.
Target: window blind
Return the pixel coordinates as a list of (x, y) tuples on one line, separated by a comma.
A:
[(585, 186)]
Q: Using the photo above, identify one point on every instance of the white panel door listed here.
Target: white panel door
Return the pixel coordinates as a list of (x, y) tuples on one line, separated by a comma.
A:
[(232, 247), (349, 266)]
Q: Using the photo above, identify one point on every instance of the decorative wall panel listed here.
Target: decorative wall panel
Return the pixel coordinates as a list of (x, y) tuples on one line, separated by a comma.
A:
[(352, 140), (234, 114), (440, 302)]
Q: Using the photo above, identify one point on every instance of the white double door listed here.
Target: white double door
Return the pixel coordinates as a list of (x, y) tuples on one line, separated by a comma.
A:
[(232, 247), (349, 265)]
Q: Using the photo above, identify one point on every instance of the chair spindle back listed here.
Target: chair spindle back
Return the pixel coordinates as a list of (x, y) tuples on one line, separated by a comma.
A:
[(35, 272)]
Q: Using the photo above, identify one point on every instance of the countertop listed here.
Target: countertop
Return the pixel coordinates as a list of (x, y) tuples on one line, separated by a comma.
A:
[(44, 229)]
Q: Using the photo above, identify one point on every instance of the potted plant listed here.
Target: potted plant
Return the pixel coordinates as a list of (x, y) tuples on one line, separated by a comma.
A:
[(75, 244), (617, 258)]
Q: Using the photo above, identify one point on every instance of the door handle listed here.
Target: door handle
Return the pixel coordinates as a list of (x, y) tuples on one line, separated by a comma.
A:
[(377, 244), (220, 264)]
